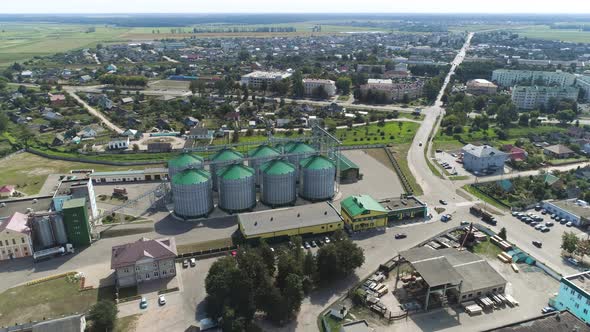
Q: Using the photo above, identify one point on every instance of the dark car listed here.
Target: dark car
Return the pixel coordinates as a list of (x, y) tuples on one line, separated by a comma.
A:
[(538, 244), (443, 202), (547, 310), (400, 236)]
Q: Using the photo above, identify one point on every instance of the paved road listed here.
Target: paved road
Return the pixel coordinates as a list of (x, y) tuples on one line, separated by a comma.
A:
[(93, 111)]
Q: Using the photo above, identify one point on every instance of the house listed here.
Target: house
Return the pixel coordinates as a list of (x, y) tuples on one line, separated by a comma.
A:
[(111, 68), (584, 145), (143, 260), (483, 158), (132, 134), (515, 153), (282, 122), (85, 79), (105, 102), (481, 87), (558, 151), (163, 124), (6, 191), (334, 108), (339, 312), (552, 180), (15, 235), (51, 115), (119, 144), (576, 132), (26, 74), (127, 100), (87, 132), (200, 133), (57, 100), (189, 121), (58, 140), (232, 116)]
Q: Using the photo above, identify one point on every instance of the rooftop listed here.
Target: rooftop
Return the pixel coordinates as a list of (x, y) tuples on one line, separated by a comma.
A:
[(572, 206), (74, 203), (559, 149), (581, 280), (395, 204), (191, 176), (317, 162), (267, 74), (130, 172), (361, 204), (316, 80), (227, 155), (358, 326), (451, 266), (65, 324), (482, 151), (264, 151), (556, 321), (16, 223), (130, 253), (185, 159), (277, 220), (9, 207), (235, 172), (65, 187), (277, 167), (345, 163)]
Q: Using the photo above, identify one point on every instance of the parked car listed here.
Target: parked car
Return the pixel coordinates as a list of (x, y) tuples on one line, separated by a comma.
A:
[(543, 212), (548, 309), (420, 143), (400, 236), (563, 221), (443, 202), (569, 224), (515, 213), (143, 303), (538, 207), (538, 244), (573, 261), (193, 262), (545, 229), (313, 244), (549, 224), (465, 222), (306, 245), (553, 216), (327, 239), (539, 227), (185, 263), (161, 300)]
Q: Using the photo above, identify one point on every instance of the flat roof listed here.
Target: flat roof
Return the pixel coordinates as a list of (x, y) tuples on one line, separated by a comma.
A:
[(11, 206), (130, 172), (65, 187), (449, 265), (572, 207), (277, 220), (396, 203), (580, 280), (556, 321)]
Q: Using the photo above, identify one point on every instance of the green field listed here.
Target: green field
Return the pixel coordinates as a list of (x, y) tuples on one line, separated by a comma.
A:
[(545, 32), (391, 132)]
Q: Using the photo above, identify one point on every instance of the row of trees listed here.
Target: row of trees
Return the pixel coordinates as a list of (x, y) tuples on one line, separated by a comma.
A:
[(258, 281), (123, 80), (572, 244)]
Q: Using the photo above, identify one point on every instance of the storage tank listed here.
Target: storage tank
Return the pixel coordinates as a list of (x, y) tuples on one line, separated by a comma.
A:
[(191, 191), (59, 230), (220, 160), (43, 233), (317, 178), (263, 153), (297, 152), (237, 188), (278, 183), (182, 162)]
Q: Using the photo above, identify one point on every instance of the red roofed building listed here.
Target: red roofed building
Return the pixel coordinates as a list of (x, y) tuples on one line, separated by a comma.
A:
[(515, 153), (6, 191), (143, 260), (57, 100), (15, 237)]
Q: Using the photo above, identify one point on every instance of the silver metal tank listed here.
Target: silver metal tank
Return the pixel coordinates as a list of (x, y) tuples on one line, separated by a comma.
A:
[(297, 152), (221, 159), (59, 230), (278, 183), (43, 233), (237, 188), (317, 178), (191, 192), (182, 162), (262, 154)]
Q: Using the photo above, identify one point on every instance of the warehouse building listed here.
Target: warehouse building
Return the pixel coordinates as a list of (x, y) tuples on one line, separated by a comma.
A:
[(555, 321), (404, 208), (574, 295), (362, 212), (349, 171), (575, 211), (280, 224), (151, 174), (451, 275)]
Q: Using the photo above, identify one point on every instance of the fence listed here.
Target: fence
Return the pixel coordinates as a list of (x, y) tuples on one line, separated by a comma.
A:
[(405, 183), (483, 192), (361, 147)]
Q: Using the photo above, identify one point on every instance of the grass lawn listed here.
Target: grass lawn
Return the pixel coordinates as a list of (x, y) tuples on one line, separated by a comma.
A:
[(29, 172), (545, 32), (126, 324), (48, 299), (567, 161), (487, 248), (391, 132), (401, 155), (206, 245), (116, 232), (459, 177), (485, 198)]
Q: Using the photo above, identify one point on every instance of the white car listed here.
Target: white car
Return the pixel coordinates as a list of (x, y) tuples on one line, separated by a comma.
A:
[(193, 262), (569, 224), (161, 300)]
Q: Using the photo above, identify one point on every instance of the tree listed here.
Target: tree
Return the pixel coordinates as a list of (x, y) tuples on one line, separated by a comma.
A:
[(583, 248), (103, 315), (565, 116), (343, 84), (339, 259), (135, 147), (569, 242), (24, 134), (298, 88), (268, 257), (293, 293), (502, 233), (3, 122)]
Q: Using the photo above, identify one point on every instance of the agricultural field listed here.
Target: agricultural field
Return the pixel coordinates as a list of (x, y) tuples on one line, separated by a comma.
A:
[(545, 32)]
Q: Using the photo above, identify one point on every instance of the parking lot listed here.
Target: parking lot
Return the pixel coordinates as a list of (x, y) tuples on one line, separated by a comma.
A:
[(448, 160)]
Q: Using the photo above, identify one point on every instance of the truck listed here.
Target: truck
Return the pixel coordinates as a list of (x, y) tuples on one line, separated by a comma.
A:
[(485, 216), (120, 193), (53, 252)]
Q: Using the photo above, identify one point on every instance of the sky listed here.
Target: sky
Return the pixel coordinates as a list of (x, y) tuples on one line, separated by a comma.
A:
[(294, 6)]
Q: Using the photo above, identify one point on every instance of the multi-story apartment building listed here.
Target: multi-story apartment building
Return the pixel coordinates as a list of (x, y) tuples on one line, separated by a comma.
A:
[(531, 97), (258, 78), (15, 237), (574, 295), (393, 91), (481, 87), (144, 260), (507, 77), (583, 82), (311, 85)]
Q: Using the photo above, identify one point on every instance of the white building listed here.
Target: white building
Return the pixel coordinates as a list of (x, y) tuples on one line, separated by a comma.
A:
[(258, 78), (531, 97), (575, 211), (119, 144), (393, 91), (483, 158), (507, 77), (583, 82), (15, 237), (311, 85), (481, 87)]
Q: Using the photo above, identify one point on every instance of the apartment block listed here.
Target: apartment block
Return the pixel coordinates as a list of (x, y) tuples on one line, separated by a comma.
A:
[(507, 77), (311, 86), (258, 78), (531, 97)]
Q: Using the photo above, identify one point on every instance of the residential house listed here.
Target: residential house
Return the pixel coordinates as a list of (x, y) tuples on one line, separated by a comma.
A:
[(232, 116), (51, 115), (515, 153), (58, 140), (132, 134), (481, 87), (26, 74), (105, 102), (127, 100), (57, 100), (558, 151), (6, 191), (163, 124), (111, 68), (85, 79), (334, 108), (189, 121), (15, 237), (200, 133), (584, 144), (143, 260), (87, 132), (483, 158), (552, 181), (119, 144), (576, 132)]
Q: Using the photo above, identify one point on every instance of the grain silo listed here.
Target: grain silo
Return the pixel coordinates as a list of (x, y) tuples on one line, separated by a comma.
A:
[(297, 152), (43, 234), (59, 230), (317, 178), (182, 162), (191, 191), (237, 188), (220, 160), (278, 183), (261, 154)]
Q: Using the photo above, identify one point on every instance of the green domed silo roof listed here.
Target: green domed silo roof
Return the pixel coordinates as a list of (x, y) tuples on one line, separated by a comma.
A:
[(235, 172), (277, 167), (191, 176), (317, 162), (299, 147), (264, 151), (227, 155), (184, 160)]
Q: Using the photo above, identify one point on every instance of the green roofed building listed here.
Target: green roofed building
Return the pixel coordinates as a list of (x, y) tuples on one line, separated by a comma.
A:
[(75, 215), (349, 171), (363, 212)]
